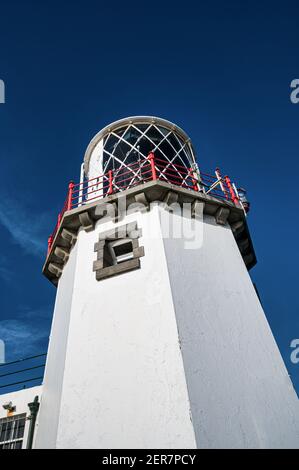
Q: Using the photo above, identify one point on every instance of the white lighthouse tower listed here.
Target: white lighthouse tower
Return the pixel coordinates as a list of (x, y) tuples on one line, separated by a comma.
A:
[(158, 337)]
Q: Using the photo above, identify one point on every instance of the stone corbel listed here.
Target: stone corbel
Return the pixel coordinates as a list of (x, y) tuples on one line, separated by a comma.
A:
[(69, 236), (86, 221), (61, 253), (55, 269), (221, 215)]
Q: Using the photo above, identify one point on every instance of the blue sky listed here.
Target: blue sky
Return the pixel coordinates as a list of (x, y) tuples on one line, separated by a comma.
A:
[(220, 70)]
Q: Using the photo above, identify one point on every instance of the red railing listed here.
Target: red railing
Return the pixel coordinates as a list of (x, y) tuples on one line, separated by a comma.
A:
[(142, 171)]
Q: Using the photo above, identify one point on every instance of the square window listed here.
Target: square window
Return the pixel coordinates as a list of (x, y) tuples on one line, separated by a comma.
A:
[(118, 251), (121, 250)]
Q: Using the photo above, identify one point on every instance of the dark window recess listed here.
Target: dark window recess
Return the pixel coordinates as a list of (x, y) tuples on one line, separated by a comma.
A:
[(117, 251), (128, 145)]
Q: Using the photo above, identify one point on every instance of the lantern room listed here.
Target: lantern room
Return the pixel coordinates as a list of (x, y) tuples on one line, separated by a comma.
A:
[(122, 149)]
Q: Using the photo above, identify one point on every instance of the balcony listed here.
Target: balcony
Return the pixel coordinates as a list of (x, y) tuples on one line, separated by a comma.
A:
[(141, 172)]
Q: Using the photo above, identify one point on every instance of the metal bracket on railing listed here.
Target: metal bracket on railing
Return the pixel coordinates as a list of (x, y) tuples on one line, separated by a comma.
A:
[(242, 200), (213, 186), (219, 177)]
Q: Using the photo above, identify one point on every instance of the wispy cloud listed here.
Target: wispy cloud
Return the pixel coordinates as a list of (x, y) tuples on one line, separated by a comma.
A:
[(43, 312), (24, 227), (5, 272), (27, 335), (21, 338)]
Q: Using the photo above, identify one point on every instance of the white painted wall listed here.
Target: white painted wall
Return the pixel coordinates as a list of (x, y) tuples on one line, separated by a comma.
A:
[(20, 400), (54, 371), (130, 355), (240, 392), (123, 382), (96, 171)]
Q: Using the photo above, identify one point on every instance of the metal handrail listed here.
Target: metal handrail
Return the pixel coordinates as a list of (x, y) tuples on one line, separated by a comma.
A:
[(140, 172)]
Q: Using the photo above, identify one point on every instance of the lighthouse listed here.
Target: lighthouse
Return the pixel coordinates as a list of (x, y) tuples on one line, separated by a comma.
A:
[(158, 337)]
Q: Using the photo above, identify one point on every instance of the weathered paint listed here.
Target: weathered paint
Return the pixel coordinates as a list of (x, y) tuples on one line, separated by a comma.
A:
[(177, 354), (240, 392), (123, 383)]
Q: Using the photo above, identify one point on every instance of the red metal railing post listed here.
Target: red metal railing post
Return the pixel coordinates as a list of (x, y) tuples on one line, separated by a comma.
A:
[(50, 241), (110, 176), (70, 196), (231, 190), (194, 180), (151, 157)]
